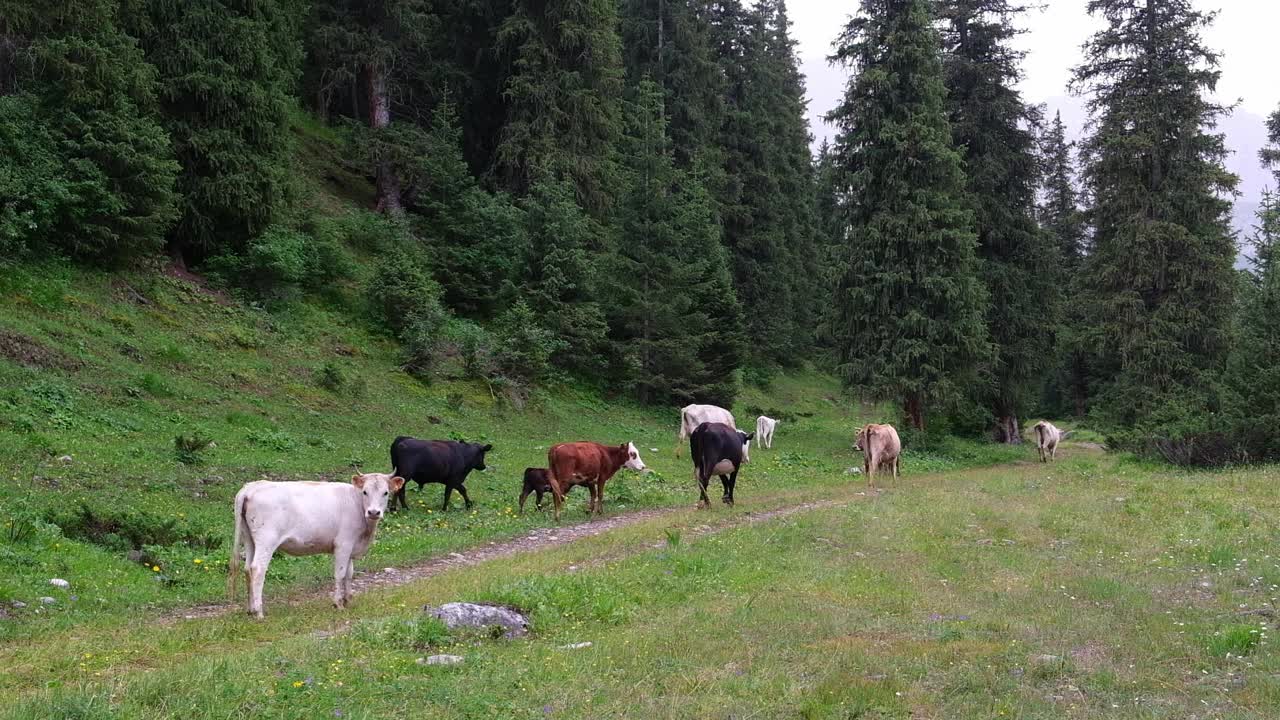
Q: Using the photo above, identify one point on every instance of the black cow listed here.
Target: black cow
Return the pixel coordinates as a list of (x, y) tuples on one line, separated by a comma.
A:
[(717, 449), (436, 461), (536, 480)]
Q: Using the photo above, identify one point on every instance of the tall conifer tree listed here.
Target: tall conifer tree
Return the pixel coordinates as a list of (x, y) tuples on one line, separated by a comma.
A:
[(563, 97), (991, 124), (1159, 277), (909, 308)]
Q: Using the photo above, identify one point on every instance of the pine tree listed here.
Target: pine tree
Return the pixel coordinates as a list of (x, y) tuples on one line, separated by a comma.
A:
[(563, 97), (227, 71), (991, 123), (1159, 277), (1062, 221), (86, 167), (1254, 368), (669, 41), (676, 324), (909, 307)]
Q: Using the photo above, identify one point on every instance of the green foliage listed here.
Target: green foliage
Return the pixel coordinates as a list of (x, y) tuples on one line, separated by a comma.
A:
[(908, 319), (337, 379), (128, 529), (226, 71), (282, 259), (522, 347), (1158, 280), (85, 168), (190, 449), (675, 322), (562, 97), (1016, 261), (401, 292)]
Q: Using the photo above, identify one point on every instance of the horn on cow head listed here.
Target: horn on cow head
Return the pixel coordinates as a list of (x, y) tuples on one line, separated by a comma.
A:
[(357, 480)]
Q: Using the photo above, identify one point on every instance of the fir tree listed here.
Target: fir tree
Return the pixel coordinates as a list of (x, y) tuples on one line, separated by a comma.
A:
[(86, 167), (563, 97), (675, 321), (909, 307), (227, 72), (1158, 279), (991, 123), (1062, 221)]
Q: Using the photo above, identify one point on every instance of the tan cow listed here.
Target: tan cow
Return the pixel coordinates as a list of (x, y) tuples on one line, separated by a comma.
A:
[(1047, 438), (880, 446)]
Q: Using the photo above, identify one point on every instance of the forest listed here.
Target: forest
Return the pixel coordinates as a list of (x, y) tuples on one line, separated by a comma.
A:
[(623, 192)]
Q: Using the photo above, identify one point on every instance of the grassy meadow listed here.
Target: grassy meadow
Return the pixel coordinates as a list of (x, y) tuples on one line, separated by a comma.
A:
[(982, 585)]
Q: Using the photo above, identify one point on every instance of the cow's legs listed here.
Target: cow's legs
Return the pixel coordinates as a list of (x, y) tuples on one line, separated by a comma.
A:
[(463, 490), (400, 496), (537, 501), (726, 482), (341, 573), (895, 470), (557, 498), (702, 489), (262, 553), (448, 491), (524, 494)]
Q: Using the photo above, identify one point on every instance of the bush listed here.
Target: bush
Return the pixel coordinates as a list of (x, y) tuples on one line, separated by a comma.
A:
[(523, 346), (401, 294), (283, 259), (128, 529), (190, 449), (472, 344), (371, 231), (333, 377), (1185, 430)]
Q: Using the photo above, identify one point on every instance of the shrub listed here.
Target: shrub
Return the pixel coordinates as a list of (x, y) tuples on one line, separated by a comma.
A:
[(523, 346), (333, 377), (273, 439), (401, 293), (473, 346), (283, 259), (190, 449), (129, 529)]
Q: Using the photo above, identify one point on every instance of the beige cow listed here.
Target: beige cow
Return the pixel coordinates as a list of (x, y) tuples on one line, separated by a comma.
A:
[(1047, 438), (880, 446)]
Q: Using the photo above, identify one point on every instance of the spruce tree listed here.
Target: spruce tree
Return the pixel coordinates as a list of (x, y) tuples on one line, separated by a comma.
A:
[(1159, 279), (86, 167), (675, 323), (227, 73), (991, 124), (563, 97), (1063, 222), (909, 306), (1254, 369)]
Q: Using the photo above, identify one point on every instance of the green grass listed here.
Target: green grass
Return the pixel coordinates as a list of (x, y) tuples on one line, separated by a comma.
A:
[(110, 386), (1021, 591)]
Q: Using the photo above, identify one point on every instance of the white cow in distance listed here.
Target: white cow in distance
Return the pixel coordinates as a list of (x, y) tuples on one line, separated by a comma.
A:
[(764, 431), (307, 518), (1047, 438)]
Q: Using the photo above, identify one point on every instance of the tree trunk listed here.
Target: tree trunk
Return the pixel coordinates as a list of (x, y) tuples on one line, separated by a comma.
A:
[(914, 408), (388, 185), (1007, 430)]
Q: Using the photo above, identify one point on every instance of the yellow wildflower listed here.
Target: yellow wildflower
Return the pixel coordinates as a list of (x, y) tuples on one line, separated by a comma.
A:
[(197, 561), (155, 568)]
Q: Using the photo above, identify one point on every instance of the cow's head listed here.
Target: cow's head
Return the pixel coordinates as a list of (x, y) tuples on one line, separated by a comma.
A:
[(746, 445), (860, 439), (375, 489), (633, 460), (477, 462)]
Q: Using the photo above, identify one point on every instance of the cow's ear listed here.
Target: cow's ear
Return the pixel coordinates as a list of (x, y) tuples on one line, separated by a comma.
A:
[(487, 448), (750, 435), (357, 480), (397, 482)]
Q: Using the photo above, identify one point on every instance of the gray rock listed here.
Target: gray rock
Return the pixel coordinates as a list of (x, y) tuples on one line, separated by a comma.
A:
[(853, 471), (48, 600), (18, 604), (59, 583), (440, 660), (1048, 659), (576, 646), (462, 614), (65, 459)]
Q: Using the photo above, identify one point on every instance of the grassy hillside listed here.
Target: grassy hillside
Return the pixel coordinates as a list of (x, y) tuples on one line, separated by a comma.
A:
[(99, 372)]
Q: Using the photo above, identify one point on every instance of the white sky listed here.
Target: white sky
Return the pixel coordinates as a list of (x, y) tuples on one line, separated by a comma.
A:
[(1244, 33)]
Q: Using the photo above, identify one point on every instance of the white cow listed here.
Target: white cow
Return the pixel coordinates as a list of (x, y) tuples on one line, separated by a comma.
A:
[(764, 431), (307, 518), (691, 416), (1047, 438)]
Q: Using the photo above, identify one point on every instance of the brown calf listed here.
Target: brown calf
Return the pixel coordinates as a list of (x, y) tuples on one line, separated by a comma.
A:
[(590, 464)]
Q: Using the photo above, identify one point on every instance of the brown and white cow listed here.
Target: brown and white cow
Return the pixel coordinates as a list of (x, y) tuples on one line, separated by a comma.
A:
[(307, 518), (1047, 438), (764, 431), (691, 416), (880, 446), (590, 464)]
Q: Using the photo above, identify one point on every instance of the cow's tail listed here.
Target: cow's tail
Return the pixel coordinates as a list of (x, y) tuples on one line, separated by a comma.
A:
[(1063, 435), (1040, 434), (233, 566), (682, 434)]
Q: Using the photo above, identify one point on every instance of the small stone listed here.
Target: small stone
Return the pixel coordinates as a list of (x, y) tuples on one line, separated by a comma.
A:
[(653, 449), (48, 600), (1048, 659), (65, 459), (390, 571), (60, 583), (18, 604), (576, 646), (456, 556), (135, 556), (853, 471), (462, 614), (440, 660)]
